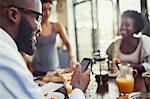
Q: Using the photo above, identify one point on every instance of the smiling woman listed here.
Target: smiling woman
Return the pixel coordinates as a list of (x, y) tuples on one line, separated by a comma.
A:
[(128, 48)]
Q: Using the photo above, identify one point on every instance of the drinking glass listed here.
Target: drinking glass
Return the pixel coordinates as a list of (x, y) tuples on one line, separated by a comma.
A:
[(67, 78), (125, 86), (125, 80), (67, 82)]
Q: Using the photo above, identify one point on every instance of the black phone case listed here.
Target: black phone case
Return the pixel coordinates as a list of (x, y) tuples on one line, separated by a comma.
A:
[(85, 63)]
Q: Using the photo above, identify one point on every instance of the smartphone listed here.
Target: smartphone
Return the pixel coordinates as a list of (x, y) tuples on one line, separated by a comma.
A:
[(85, 63)]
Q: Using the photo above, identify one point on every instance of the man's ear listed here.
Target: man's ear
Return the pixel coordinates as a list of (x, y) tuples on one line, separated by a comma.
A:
[(13, 14)]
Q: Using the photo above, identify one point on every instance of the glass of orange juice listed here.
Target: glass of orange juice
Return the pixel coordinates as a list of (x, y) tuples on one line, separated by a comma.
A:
[(125, 80), (125, 85)]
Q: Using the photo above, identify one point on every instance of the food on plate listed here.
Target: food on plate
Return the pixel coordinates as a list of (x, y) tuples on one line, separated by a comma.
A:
[(55, 76), (59, 71), (52, 79)]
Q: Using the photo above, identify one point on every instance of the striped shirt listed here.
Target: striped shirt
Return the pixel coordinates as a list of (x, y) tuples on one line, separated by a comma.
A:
[(16, 81)]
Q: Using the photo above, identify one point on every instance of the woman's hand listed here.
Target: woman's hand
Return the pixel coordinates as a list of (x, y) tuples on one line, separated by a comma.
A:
[(72, 62)]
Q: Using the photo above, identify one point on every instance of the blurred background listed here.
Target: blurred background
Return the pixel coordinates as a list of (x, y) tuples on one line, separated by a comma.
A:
[(92, 24)]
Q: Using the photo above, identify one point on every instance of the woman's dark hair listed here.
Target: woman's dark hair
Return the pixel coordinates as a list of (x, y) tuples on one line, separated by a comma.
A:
[(137, 17), (47, 1)]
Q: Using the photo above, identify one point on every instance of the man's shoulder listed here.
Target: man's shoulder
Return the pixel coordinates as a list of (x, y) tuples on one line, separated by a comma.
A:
[(9, 55), (7, 50)]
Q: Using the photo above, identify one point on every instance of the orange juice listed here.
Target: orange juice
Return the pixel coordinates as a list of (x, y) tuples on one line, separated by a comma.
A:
[(125, 85)]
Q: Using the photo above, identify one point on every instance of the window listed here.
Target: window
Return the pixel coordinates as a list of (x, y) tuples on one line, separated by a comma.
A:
[(53, 16), (84, 27), (106, 16), (130, 4), (148, 5)]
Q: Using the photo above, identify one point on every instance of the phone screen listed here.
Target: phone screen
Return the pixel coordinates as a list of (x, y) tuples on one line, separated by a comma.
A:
[(85, 63)]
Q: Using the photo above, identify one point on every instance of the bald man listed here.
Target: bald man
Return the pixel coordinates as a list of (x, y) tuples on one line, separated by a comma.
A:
[(19, 23)]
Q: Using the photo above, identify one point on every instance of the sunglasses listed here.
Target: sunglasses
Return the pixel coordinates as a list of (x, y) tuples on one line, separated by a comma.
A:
[(36, 15)]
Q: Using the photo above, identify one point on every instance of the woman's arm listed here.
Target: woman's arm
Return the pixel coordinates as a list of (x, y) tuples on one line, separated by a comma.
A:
[(109, 51), (65, 40)]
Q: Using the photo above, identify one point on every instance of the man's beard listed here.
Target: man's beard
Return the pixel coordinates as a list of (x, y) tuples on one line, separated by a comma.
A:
[(24, 38)]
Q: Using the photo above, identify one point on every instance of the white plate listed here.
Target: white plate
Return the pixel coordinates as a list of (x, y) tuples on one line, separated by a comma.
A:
[(56, 95), (113, 74), (139, 95), (50, 87), (134, 95), (146, 74)]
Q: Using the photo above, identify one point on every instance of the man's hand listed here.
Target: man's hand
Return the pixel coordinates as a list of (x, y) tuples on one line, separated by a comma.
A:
[(80, 80)]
